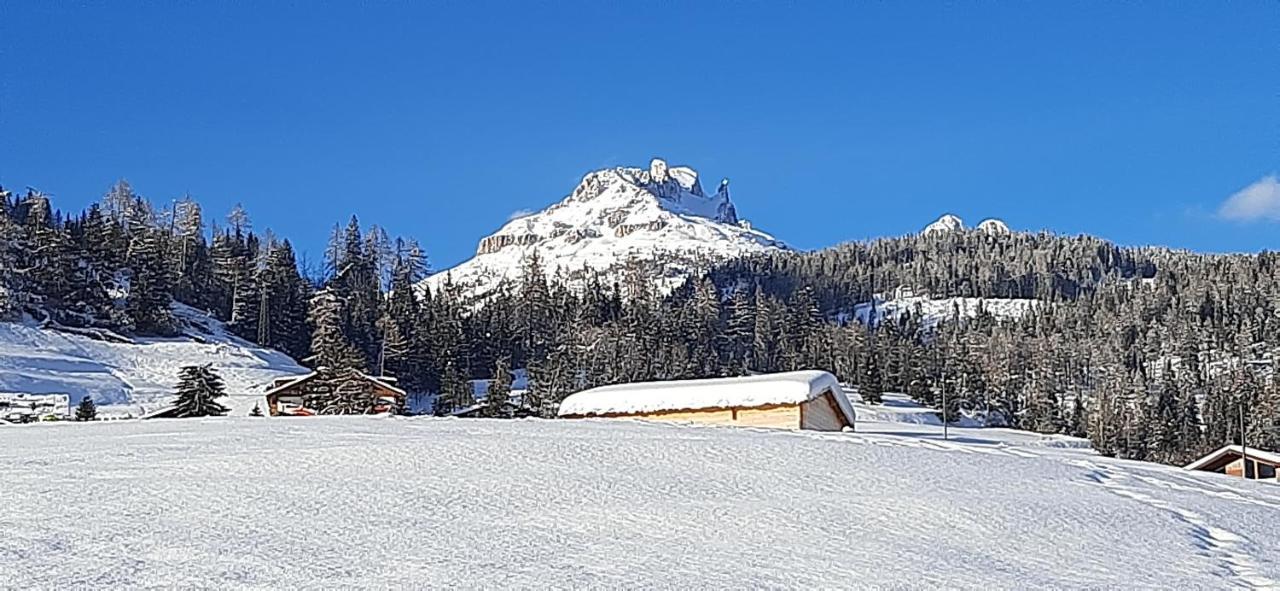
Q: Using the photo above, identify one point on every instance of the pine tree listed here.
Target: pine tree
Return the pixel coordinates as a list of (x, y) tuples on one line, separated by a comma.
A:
[(150, 282), (329, 345), (495, 402), (257, 410), (455, 391), (870, 385), (198, 388), (86, 410)]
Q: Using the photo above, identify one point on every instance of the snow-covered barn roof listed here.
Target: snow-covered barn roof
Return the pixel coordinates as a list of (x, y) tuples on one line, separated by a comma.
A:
[(282, 384), (742, 392), (1228, 453)]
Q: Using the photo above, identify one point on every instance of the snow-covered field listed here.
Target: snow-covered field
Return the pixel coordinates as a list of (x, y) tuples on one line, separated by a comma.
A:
[(369, 502), (135, 375)]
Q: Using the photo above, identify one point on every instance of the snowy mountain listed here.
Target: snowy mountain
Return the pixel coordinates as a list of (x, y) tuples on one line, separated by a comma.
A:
[(952, 223), (946, 223), (659, 217), (133, 375), (313, 503), (994, 227)]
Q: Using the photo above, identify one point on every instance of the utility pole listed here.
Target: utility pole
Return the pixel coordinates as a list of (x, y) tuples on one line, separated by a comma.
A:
[(1244, 449), (945, 434)]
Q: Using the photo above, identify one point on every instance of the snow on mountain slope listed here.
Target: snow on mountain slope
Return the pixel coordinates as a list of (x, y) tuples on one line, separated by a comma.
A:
[(946, 223), (951, 223), (248, 503), (660, 217), (994, 227), (931, 311), (140, 373)]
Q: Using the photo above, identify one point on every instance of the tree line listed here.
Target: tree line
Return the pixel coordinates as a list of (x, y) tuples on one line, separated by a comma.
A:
[(1151, 353)]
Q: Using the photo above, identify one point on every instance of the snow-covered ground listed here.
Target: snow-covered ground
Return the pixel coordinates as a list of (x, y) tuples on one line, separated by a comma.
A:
[(134, 375), (373, 502), (930, 311)]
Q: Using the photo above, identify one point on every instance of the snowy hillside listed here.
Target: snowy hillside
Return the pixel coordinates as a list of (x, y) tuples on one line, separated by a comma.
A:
[(364, 502), (658, 216), (134, 374), (931, 311)]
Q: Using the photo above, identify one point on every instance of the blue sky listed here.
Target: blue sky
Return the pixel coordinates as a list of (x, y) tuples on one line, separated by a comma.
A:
[(835, 121)]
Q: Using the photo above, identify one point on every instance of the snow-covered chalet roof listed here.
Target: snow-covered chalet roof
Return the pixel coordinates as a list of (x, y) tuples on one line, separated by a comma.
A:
[(1234, 451), (282, 384), (742, 392)]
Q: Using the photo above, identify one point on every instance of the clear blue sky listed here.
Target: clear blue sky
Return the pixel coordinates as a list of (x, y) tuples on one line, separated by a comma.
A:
[(835, 121)]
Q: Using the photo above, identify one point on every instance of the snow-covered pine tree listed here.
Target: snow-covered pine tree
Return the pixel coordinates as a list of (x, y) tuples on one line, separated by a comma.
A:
[(199, 387), (12, 290), (86, 410), (149, 284)]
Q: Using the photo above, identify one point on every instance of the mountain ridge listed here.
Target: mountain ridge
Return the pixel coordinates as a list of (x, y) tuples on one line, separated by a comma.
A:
[(659, 216)]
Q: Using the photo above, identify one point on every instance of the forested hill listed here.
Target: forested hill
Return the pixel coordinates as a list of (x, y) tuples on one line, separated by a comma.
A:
[(1150, 352), (955, 263)]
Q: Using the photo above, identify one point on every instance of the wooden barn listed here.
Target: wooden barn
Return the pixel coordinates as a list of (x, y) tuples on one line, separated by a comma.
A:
[(810, 400), (287, 396), (1234, 460)]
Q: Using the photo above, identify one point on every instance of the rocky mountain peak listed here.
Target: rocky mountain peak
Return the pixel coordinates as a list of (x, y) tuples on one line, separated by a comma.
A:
[(658, 214), (946, 223)]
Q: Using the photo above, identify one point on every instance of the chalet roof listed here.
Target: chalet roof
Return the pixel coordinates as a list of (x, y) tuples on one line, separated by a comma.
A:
[(740, 392), (281, 384), (164, 412), (1230, 453)]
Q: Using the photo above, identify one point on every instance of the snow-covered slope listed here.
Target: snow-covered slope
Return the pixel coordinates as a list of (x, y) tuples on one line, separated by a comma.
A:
[(658, 216), (931, 311), (377, 503), (138, 374)]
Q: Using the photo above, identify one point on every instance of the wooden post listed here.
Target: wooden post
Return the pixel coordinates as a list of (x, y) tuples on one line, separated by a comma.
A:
[(945, 434), (1244, 449)]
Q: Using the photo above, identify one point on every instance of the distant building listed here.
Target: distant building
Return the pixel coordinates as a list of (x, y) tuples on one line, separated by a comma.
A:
[(23, 408), (1240, 462), (288, 396), (810, 400)]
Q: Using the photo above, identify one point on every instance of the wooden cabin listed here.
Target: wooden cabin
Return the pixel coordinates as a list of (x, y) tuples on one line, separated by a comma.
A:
[(810, 400), (1233, 460), (287, 396)]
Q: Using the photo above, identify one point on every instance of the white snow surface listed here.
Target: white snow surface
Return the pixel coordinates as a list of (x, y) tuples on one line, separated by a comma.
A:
[(139, 374), (377, 503), (930, 311), (738, 392), (659, 217)]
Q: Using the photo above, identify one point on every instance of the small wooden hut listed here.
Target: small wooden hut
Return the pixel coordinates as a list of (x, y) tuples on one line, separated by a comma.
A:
[(811, 400), (1234, 460)]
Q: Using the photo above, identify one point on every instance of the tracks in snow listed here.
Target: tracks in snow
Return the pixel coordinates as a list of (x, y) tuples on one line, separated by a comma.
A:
[(1233, 551)]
